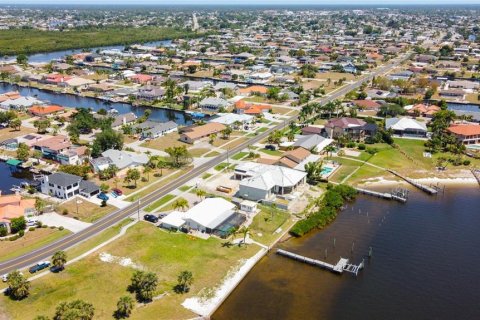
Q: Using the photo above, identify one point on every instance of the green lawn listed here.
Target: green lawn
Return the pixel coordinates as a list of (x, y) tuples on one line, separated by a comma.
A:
[(239, 155), (160, 202), (266, 222), (101, 283), (262, 129), (206, 176), (184, 188), (223, 165), (30, 241)]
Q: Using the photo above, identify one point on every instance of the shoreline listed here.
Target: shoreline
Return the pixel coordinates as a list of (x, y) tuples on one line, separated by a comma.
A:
[(453, 181)]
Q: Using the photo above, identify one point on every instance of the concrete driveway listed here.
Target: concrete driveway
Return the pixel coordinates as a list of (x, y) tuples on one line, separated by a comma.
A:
[(54, 219)]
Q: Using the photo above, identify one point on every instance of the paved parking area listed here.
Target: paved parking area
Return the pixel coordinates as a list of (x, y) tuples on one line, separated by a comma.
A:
[(54, 219)]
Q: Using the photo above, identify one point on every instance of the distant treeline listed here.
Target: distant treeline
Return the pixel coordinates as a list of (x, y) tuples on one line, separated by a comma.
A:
[(27, 41)]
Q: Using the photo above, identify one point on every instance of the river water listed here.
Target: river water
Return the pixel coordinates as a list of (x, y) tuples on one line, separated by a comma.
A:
[(424, 265), (12, 176), (74, 101), (49, 56)]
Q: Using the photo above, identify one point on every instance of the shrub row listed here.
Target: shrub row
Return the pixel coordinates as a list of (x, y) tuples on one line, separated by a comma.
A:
[(332, 201)]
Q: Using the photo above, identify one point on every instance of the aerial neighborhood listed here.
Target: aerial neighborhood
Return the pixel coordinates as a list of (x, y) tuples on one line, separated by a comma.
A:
[(230, 136)]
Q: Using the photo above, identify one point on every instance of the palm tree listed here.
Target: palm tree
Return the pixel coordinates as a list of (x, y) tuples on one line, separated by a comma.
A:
[(200, 193), (147, 170), (161, 164), (180, 203), (226, 132), (185, 279), (124, 307), (18, 285), (59, 259), (245, 231)]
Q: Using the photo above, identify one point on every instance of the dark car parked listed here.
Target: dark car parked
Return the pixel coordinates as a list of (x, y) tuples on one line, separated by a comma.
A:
[(39, 266), (270, 147), (150, 218)]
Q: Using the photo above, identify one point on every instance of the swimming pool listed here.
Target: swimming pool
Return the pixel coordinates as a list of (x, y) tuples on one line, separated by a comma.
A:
[(326, 170)]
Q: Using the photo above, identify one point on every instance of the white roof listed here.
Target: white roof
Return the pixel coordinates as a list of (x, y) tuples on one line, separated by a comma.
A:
[(210, 213), (402, 124), (77, 81), (230, 118), (265, 176), (174, 219), (123, 159), (21, 102)]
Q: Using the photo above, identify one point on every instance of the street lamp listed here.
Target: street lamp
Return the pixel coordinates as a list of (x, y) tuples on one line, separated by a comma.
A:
[(77, 202)]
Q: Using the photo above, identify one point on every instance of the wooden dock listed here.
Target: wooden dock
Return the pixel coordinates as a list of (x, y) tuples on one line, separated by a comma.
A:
[(427, 189), (341, 266), (384, 195)]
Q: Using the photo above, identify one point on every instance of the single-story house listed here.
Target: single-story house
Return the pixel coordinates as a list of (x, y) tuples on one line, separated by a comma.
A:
[(367, 104), (406, 126), (153, 129), (313, 142), (173, 221), (213, 103), (42, 111), (262, 181), (125, 159), (308, 130), (196, 133), (13, 206), (209, 214), (229, 119)]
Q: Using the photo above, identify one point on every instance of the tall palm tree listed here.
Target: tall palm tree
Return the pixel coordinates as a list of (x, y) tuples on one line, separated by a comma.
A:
[(124, 307), (200, 193), (180, 203), (59, 259), (245, 231)]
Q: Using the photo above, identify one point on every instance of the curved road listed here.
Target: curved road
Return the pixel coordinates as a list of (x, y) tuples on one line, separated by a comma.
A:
[(113, 218)]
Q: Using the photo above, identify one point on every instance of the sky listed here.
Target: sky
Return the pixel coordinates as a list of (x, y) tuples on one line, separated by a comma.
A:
[(244, 2)]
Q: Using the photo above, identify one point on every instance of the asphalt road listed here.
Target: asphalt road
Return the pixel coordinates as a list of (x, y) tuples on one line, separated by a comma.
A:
[(113, 218)]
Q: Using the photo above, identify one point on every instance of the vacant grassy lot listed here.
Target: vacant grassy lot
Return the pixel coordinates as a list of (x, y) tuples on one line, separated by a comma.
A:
[(231, 143), (266, 222), (164, 142), (239, 155), (334, 76), (7, 133), (31, 241), (198, 152), (103, 283), (87, 211)]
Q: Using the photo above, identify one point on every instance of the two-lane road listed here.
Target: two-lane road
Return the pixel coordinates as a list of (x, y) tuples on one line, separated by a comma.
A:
[(113, 218)]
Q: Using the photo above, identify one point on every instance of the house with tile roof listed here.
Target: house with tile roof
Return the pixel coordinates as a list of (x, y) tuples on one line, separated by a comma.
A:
[(466, 133), (195, 133), (13, 206)]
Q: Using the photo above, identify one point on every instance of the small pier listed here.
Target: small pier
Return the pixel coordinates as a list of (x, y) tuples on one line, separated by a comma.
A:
[(427, 189), (476, 174), (341, 266), (398, 195)]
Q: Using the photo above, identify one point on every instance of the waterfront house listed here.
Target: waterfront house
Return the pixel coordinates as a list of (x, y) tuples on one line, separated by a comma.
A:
[(13, 206), (209, 215), (423, 110), (150, 93), (263, 181), (45, 110), (193, 134), (214, 104), (61, 185), (52, 146), (406, 127), (152, 129), (352, 127), (466, 133)]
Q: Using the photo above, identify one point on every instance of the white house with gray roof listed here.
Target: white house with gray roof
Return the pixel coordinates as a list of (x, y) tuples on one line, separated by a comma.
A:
[(124, 159), (213, 103), (65, 186), (263, 181)]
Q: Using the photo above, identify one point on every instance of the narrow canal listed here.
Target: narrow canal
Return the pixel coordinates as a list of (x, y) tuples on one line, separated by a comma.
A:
[(424, 265), (73, 101)]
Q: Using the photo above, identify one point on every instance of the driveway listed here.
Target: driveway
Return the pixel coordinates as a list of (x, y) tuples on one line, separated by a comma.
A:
[(54, 219)]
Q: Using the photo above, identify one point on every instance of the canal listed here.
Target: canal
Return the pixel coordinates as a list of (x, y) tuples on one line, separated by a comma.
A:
[(12, 176), (73, 101), (425, 254)]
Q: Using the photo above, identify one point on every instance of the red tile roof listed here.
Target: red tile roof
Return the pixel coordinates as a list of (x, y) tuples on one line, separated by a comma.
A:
[(465, 129)]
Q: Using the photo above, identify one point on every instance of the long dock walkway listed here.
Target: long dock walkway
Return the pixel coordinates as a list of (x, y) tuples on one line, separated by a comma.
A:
[(414, 183), (384, 195), (342, 264)]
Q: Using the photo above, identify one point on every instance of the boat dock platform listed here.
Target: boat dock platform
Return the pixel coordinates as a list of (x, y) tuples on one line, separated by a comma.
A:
[(398, 196), (427, 189), (341, 266)]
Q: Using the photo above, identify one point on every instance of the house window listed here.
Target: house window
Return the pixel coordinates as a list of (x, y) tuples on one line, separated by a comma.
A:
[(51, 185)]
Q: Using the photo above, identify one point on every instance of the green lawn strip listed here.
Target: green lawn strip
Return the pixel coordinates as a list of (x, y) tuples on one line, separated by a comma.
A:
[(184, 188), (212, 154), (239, 155), (263, 129), (22, 245), (159, 202), (102, 283), (366, 172), (206, 176), (224, 165), (157, 185)]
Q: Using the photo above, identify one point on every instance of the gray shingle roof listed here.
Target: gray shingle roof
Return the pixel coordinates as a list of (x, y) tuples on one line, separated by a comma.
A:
[(63, 179)]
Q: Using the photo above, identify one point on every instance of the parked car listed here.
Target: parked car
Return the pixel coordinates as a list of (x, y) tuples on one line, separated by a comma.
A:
[(5, 276), (150, 218), (39, 266), (102, 196), (270, 147), (117, 191), (56, 269)]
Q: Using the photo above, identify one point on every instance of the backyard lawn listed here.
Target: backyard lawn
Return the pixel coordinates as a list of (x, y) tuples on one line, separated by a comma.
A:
[(87, 211), (169, 140), (102, 283), (266, 222), (30, 241)]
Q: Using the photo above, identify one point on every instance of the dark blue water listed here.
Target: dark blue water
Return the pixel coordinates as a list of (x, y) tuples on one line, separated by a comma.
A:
[(424, 265), (73, 101), (12, 176), (49, 56), (463, 107)]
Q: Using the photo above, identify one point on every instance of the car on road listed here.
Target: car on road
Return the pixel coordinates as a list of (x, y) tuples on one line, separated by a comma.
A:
[(102, 196), (39, 266), (150, 218), (117, 191)]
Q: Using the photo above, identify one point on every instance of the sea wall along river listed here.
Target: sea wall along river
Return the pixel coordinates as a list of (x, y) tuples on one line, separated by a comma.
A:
[(424, 265)]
